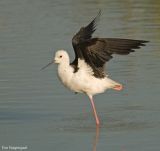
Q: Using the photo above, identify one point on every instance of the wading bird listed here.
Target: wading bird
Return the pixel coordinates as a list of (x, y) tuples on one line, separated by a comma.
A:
[(86, 74)]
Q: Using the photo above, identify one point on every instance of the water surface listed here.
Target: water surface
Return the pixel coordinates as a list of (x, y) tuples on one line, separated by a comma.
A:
[(38, 112)]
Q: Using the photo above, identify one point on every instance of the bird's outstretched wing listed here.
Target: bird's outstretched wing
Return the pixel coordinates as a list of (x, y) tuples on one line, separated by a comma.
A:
[(97, 51), (84, 34)]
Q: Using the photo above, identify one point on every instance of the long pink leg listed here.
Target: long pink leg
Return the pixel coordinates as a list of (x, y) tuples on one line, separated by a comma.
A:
[(94, 110)]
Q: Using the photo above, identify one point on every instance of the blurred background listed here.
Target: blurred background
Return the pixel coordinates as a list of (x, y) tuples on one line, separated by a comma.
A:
[(38, 112)]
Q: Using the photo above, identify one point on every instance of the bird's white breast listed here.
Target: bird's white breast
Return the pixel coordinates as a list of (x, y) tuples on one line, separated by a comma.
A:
[(65, 73)]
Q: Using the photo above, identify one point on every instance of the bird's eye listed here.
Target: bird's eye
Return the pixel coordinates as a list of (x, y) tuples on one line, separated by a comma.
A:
[(60, 56)]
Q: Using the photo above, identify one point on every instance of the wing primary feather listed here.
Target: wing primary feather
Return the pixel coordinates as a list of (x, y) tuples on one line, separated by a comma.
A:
[(91, 27), (85, 33)]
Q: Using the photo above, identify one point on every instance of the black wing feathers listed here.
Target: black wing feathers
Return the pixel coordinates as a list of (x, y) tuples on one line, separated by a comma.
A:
[(85, 33), (96, 51), (123, 46)]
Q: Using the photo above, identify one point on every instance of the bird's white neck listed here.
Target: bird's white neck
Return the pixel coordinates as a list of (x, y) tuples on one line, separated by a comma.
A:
[(63, 66), (65, 72)]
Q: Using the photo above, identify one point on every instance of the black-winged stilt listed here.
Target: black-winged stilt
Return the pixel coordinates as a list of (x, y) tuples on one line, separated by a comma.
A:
[(86, 74)]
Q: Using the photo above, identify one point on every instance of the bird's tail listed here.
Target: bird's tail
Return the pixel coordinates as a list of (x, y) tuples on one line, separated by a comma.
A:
[(114, 85), (118, 87)]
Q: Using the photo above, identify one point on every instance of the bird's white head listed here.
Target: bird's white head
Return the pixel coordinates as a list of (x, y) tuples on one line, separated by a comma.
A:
[(61, 56)]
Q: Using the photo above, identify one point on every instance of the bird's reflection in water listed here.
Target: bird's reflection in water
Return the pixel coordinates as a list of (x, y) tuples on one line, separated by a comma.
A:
[(96, 138)]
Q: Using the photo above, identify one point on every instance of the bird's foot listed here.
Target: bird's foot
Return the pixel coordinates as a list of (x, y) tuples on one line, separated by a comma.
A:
[(118, 87)]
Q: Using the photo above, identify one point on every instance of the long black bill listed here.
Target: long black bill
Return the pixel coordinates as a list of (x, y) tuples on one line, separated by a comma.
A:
[(47, 65)]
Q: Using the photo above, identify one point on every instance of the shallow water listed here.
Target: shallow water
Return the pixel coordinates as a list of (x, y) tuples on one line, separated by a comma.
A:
[(38, 112)]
